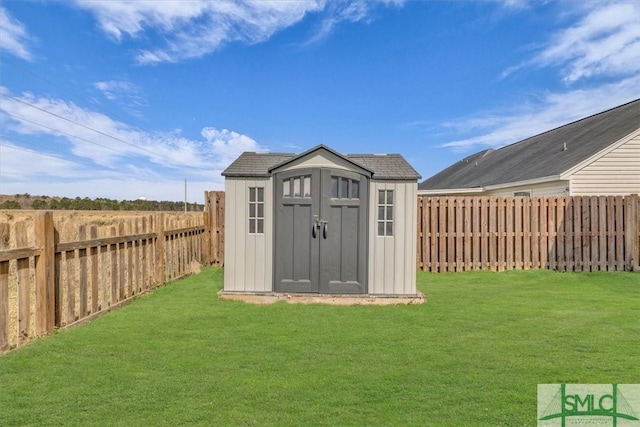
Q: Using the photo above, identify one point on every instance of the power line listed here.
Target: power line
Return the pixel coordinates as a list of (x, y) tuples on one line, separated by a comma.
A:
[(14, 147), (64, 133), (64, 89), (77, 124)]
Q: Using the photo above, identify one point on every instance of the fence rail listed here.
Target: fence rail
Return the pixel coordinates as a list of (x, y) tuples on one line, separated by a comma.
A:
[(54, 275), (504, 233)]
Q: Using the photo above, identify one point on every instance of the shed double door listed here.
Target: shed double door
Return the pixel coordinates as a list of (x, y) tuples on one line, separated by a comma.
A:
[(320, 236)]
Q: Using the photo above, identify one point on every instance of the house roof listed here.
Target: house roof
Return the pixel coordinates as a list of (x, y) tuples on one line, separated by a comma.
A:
[(545, 155), (381, 166)]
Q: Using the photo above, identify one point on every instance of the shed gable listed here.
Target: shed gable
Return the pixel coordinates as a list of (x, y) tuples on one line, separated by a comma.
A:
[(318, 157)]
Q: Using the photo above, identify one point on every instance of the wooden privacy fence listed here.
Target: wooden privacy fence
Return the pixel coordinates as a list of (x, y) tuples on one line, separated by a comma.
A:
[(55, 275), (504, 233)]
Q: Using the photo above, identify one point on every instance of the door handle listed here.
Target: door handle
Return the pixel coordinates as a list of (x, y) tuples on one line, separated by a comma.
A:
[(317, 224)]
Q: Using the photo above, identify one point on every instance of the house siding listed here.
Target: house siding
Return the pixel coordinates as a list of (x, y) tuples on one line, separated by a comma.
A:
[(551, 188), (615, 173), (392, 267), (554, 188), (248, 257)]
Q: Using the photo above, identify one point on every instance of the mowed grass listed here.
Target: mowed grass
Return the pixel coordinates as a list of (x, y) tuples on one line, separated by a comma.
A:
[(472, 355)]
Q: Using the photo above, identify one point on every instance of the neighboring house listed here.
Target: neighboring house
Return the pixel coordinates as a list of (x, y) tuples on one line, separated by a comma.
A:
[(320, 222), (598, 155)]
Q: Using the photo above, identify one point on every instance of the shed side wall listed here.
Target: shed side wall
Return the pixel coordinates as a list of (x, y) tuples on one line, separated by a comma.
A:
[(248, 257), (615, 173), (392, 259)]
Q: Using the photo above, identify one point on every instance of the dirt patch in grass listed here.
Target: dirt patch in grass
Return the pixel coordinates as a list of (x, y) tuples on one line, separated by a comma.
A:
[(270, 298)]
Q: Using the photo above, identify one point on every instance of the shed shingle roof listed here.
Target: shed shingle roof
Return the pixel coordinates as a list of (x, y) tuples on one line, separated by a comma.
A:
[(382, 166), (542, 155)]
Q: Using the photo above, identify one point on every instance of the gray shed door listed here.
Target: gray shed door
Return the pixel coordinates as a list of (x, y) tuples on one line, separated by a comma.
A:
[(320, 231)]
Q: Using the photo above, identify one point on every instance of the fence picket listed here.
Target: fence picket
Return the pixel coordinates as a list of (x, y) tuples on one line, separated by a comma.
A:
[(93, 255), (442, 230), (69, 290), (602, 235), (552, 233), (4, 290), (24, 286), (83, 275), (525, 236), (130, 266), (594, 231), (432, 207), (537, 235), (122, 251)]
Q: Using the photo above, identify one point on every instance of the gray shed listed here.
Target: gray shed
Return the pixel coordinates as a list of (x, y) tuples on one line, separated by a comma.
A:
[(320, 222)]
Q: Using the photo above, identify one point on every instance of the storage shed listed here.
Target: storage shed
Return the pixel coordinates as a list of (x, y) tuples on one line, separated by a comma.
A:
[(320, 223)]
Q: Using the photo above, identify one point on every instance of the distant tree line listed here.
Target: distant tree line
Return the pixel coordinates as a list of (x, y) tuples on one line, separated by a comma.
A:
[(26, 201)]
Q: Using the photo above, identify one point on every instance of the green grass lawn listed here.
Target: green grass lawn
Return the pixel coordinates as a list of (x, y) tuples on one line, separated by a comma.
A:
[(472, 355)]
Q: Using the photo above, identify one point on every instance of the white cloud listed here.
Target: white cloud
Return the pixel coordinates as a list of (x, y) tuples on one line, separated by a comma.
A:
[(116, 187), (60, 177), (352, 11), (128, 95), (115, 89), (604, 42), (597, 55), (89, 154), (198, 27), (13, 36), (228, 145), (13, 159), (95, 136), (539, 115)]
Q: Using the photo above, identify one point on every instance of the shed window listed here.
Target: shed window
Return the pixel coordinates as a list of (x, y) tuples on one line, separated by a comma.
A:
[(297, 187), (385, 213), (344, 188), (256, 210)]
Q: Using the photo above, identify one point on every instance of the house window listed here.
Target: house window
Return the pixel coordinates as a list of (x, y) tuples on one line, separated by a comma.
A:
[(256, 210), (385, 213), (522, 194)]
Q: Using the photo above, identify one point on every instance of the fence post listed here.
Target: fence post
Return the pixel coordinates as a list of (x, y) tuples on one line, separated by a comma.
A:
[(217, 227), (4, 290), (631, 232), (45, 286), (208, 258), (160, 249)]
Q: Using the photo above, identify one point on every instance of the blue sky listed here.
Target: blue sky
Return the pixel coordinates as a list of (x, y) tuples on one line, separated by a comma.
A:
[(121, 99)]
